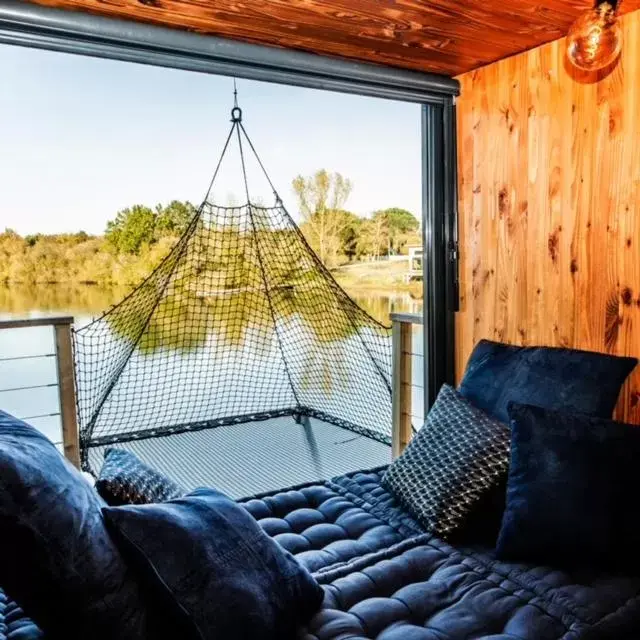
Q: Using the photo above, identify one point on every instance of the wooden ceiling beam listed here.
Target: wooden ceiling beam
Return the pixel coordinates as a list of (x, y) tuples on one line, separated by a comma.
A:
[(440, 36)]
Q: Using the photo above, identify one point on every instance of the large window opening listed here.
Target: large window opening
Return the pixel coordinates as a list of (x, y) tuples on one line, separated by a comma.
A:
[(109, 161)]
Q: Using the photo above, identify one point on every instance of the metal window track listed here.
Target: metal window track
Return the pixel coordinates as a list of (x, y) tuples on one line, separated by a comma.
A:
[(31, 25)]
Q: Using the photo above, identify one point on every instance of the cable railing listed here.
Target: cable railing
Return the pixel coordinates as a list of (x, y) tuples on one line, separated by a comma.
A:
[(408, 379), (44, 394), (36, 378)]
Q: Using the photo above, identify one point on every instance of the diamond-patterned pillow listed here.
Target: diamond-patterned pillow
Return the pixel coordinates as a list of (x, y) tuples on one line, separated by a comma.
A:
[(125, 479), (459, 455)]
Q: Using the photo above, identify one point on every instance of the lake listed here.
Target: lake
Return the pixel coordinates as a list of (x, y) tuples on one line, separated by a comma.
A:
[(335, 386), (84, 302)]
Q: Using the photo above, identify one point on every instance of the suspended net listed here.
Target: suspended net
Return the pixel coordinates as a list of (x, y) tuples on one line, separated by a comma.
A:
[(240, 322)]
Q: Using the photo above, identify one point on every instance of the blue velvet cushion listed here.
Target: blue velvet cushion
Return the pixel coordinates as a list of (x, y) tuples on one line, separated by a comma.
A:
[(553, 378), (572, 492), (58, 560), (208, 559)]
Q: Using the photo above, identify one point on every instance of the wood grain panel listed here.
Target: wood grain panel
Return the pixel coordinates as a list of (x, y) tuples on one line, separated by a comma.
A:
[(439, 36), (549, 166)]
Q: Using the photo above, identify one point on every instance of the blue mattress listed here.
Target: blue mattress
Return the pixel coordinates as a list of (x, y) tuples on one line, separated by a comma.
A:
[(386, 579), (14, 624)]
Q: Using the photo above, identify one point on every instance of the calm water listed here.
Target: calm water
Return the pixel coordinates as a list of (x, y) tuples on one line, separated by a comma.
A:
[(87, 302)]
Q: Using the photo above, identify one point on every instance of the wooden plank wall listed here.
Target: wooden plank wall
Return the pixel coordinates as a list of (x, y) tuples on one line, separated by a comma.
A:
[(549, 183)]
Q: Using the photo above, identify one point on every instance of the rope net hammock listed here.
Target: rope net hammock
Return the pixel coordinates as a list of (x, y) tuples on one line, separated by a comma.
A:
[(240, 322)]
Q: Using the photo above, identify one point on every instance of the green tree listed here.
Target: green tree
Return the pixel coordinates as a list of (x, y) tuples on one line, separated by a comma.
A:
[(349, 233), (321, 198), (374, 237), (132, 228), (400, 224), (173, 219)]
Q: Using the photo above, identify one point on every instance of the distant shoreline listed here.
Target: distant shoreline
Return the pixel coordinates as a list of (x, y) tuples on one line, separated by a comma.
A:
[(368, 286)]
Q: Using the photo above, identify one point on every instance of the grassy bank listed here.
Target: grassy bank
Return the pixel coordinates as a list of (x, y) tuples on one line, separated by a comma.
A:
[(383, 277)]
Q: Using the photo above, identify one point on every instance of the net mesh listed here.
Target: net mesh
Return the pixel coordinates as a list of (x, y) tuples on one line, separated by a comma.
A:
[(240, 322)]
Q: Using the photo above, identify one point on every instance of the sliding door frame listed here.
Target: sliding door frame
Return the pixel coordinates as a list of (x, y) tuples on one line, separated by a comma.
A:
[(30, 25)]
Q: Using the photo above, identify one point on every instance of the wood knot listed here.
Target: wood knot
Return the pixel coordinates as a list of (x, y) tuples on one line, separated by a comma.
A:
[(503, 202), (552, 245), (627, 296), (613, 320), (574, 266)]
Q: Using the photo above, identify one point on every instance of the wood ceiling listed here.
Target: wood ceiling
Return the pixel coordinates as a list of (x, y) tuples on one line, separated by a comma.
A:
[(441, 36)]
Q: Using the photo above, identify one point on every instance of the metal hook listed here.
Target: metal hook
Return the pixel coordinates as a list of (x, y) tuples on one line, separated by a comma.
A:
[(236, 114)]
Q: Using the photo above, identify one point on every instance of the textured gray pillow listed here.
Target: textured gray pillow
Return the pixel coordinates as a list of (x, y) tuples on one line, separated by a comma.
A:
[(459, 455), (125, 479)]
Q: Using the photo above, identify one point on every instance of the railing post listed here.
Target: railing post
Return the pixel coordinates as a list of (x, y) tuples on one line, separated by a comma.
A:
[(67, 392), (401, 392)]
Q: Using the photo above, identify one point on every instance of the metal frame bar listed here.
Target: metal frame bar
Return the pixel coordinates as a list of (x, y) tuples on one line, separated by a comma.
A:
[(36, 322), (162, 432), (31, 25), (440, 260)]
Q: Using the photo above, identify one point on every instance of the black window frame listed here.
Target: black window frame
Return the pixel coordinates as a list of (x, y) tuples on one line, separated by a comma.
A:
[(35, 26)]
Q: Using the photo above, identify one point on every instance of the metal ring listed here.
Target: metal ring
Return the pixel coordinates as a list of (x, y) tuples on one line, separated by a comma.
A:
[(236, 114)]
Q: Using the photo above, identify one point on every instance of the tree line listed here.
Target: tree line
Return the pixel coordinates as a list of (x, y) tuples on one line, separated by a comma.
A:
[(339, 236), (137, 239)]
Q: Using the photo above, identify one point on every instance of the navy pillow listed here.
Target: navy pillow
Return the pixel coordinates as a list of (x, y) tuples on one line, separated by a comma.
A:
[(209, 560), (572, 492), (57, 558), (125, 479), (549, 377)]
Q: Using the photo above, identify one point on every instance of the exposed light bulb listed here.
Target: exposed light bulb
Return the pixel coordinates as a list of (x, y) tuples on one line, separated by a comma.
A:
[(594, 40)]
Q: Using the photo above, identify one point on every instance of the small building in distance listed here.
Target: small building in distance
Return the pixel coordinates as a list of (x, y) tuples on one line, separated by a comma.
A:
[(415, 255)]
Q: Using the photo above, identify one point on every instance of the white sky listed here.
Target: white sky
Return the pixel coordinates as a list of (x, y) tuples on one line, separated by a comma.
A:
[(81, 138)]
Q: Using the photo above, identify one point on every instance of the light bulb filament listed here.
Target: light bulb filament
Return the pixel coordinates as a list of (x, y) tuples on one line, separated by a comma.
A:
[(595, 40)]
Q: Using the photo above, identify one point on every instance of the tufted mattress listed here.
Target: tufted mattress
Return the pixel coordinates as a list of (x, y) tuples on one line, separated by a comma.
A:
[(14, 625), (385, 578)]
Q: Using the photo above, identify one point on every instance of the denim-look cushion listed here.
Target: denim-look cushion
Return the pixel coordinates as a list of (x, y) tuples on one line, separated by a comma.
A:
[(208, 558), (553, 378), (572, 493), (58, 560)]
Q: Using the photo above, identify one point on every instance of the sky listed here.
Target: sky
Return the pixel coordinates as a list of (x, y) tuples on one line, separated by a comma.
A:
[(81, 138)]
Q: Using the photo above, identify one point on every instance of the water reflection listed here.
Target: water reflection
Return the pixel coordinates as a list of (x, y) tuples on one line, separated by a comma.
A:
[(82, 301), (89, 301), (222, 358)]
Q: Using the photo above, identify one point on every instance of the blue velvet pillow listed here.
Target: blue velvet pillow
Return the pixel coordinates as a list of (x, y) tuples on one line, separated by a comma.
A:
[(554, 378), (58, 560), (572, 493), (208, 559)]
